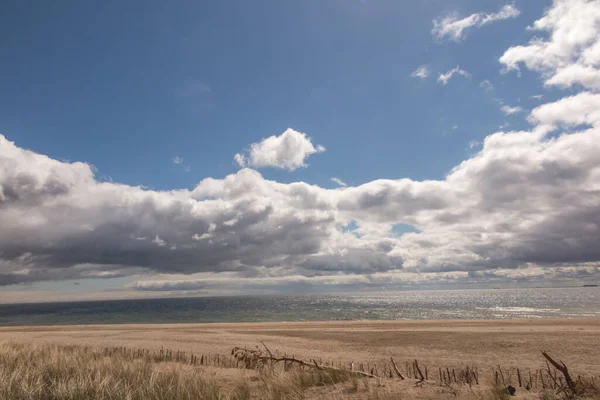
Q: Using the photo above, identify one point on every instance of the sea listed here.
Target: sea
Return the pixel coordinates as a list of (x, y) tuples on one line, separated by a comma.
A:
[(407, 305)]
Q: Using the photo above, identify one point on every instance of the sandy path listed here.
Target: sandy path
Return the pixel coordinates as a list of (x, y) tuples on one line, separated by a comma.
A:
[(434, 343)]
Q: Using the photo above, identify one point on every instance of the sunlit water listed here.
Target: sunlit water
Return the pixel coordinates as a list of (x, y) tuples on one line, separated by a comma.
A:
[(456, 304)]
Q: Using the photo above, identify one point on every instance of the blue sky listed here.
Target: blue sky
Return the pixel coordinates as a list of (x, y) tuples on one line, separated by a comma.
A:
[(130, 87), (121, 85)]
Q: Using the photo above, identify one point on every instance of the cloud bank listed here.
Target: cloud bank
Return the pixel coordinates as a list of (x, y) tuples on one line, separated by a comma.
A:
[(524, 208)]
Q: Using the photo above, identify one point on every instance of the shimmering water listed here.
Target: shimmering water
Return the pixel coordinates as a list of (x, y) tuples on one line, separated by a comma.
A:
[(456, 304)]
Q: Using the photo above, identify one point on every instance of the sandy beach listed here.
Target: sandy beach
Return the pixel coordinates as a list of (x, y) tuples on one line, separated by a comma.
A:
[(509, 343)]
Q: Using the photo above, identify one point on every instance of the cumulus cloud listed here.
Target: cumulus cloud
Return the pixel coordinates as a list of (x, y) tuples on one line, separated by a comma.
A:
[(456, 28), (580, 109), (508, 110), (339, 181), (445, 77), (524, 207), (570, 54), (421, 73), (286, 151), (587, 76)]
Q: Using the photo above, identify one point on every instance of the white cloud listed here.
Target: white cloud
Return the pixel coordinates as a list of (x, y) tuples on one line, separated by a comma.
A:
[(339, 181), (576, 74), (580, 109), (445, 77), (570, 55), (422, 72), (240, 159), (487, 85), (537, 96), (455, 28), (508, 110), (286, 151)]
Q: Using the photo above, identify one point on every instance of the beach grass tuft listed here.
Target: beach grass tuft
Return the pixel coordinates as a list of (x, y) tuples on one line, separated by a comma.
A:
[(50, 372)]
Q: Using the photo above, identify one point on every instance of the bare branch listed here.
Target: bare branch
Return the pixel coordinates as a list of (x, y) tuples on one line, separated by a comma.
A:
[(396, 369), (266, 348), (421, 374), (565, 371), (254, 357)]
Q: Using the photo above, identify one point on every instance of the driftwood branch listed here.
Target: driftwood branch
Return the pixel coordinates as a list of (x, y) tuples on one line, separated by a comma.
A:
[(253, 357), (262, 356), (317, 366), (421, 374), (267, 349), (396, 369), (565, 371)]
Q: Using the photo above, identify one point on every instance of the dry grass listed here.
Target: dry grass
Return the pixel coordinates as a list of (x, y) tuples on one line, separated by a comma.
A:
[(48, 372), (51, 372), (497, 392), (295, 383)]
